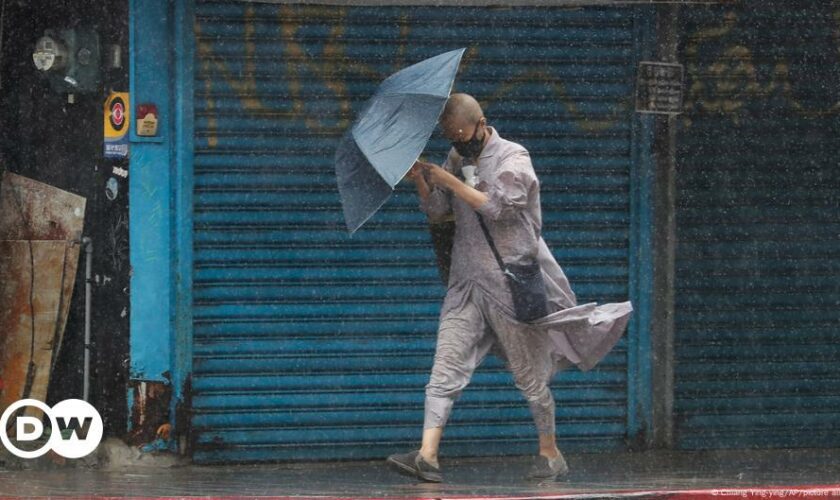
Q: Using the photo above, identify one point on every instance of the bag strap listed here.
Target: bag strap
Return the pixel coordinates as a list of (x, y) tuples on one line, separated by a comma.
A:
[(491, 243)]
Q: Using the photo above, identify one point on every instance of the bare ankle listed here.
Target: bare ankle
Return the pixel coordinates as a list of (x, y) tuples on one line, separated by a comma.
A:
[(430, 458)]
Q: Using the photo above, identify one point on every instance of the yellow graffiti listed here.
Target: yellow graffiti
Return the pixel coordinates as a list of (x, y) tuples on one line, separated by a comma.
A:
[(730, 20), (587, 124), (470, 55), (405, 30), (325, 68), (295, 56), (212, 122), (727, 84), (245, 87), (333, 68)]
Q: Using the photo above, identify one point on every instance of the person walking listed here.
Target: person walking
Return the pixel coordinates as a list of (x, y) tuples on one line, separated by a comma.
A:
[(499, 191)]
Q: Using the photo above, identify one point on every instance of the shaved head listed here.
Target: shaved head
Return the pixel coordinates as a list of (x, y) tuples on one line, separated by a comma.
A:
[(463, 106), (460, 117)]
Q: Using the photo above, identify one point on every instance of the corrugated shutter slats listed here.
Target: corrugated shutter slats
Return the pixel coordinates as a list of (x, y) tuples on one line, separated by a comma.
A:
[(758, 224), (312, 345)]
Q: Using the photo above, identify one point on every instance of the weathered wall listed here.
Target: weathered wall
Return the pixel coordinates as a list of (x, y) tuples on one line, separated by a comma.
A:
[(44, 137)]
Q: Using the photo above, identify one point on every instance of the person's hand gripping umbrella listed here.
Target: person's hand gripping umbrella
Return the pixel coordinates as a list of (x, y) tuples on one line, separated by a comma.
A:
[(390, 133)]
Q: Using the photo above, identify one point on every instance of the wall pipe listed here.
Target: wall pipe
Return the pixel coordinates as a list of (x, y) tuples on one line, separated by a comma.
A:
[(88, 244)]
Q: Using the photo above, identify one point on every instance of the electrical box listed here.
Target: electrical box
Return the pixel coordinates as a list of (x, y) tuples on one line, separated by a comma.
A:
[(69, 59)]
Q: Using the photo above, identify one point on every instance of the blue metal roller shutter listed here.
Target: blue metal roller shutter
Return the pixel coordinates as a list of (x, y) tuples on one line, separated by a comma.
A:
[(309, 344), (758, 224)]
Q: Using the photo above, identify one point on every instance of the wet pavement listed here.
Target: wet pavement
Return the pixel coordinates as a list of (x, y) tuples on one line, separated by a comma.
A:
[(590, 474)]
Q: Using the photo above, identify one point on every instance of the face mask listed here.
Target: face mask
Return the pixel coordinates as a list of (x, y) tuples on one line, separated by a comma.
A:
[(469, 148)]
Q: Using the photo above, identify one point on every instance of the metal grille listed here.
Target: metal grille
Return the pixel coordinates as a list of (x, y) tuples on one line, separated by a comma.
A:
[(758, 223), (309, 344)]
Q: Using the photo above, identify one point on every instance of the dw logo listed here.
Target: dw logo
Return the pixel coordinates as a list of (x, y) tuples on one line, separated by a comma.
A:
[(74, 415)]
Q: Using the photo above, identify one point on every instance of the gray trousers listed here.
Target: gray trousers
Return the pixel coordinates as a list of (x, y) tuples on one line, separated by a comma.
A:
[(467, 333)]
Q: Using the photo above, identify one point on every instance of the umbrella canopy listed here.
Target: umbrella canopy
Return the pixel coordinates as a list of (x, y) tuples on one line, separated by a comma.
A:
[(390, 133)]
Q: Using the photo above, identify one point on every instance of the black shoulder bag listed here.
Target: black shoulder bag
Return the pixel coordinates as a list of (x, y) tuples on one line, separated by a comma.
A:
[(525, 281)]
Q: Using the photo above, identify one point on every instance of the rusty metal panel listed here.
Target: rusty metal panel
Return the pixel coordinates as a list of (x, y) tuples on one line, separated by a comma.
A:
[(48, 222), (17, 343), (31, 210)]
